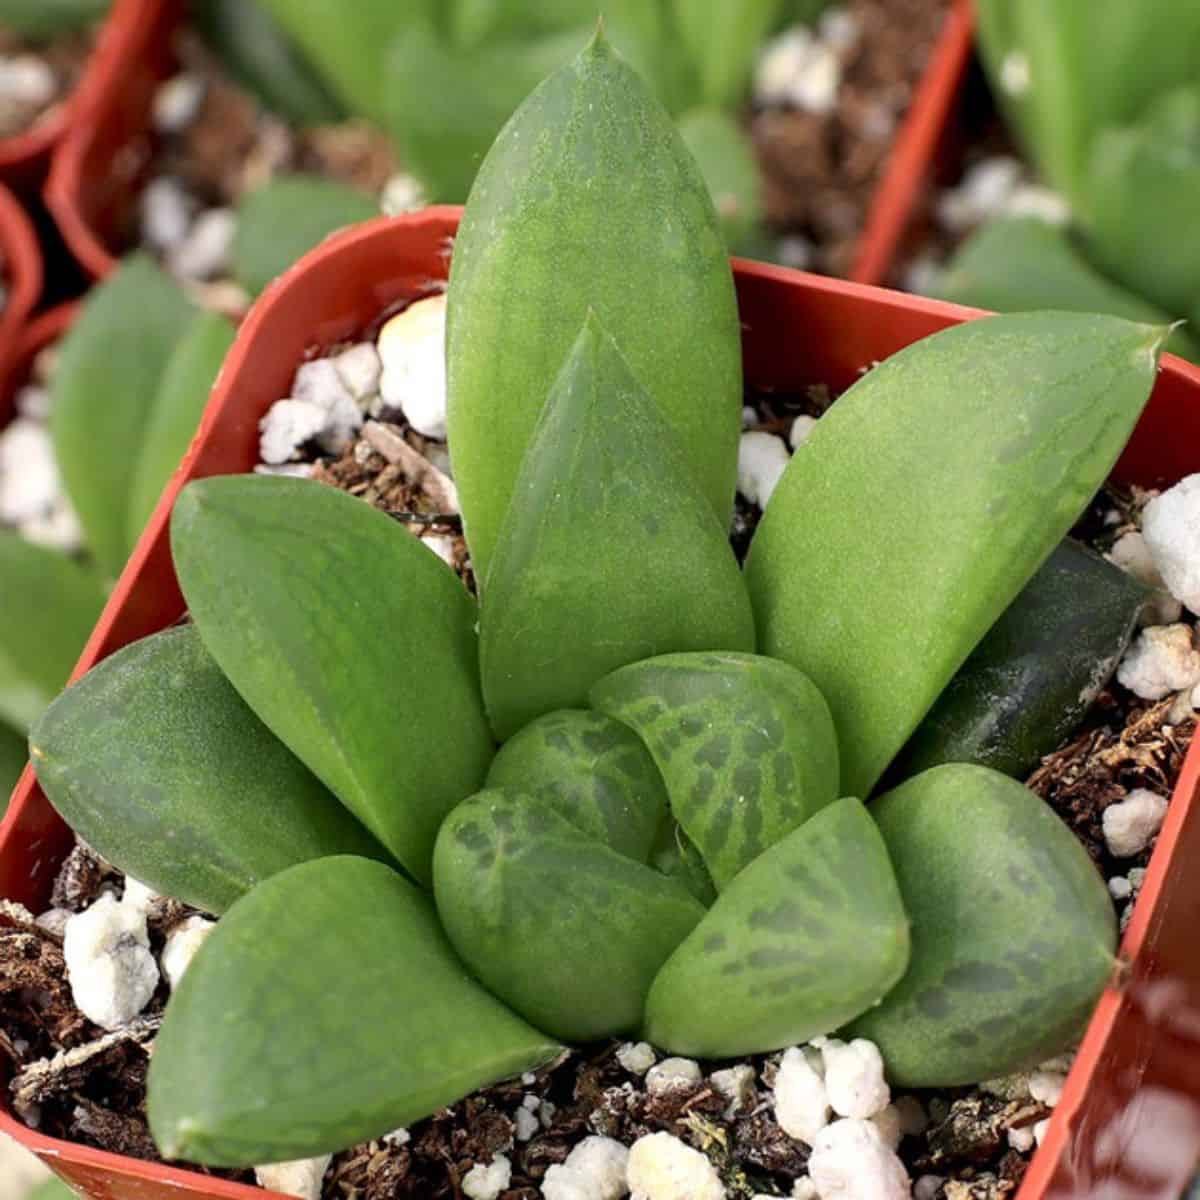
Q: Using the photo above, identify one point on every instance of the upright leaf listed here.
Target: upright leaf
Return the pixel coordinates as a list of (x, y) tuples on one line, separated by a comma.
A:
[(13, 757), (588, 195), (723, 37), (111, 363), (609, 553), (925, 500), (342, 1014), (350, 640), (156, 761), (726, 160)]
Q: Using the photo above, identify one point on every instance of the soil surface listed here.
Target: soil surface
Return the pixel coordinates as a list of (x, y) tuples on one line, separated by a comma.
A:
[(65, 58)]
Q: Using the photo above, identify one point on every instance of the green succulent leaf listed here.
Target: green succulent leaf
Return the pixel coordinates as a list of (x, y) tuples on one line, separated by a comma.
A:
[(723, 37), (609, 553), (298, 590), (50, 604), (809, 935), (325, 1009), (562, 928), (590, 157), (1013, 930), (105, 388), (13, 757), (175, 415), (727, 163), (53, 1189), (283, 220), (156, 761), (49, 18), (675, 856), (746, 745), (965, 458), (590, 770), (1029, 682)]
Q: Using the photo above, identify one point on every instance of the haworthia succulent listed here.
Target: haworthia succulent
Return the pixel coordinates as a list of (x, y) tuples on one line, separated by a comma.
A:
[(1029, 682), (745, 743), (722, 37), (609, 552), (675, 855), (559, 926), (1013, 930), (591, 770), (288, 581), (727, 163), (809, 935), (965, 459), (50, 604), (110, 366), (325, 1009), (175, 414), (156, 761), (588, 192)]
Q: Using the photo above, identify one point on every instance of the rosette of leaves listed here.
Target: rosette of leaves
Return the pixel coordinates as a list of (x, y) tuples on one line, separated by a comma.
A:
[(621, 791)]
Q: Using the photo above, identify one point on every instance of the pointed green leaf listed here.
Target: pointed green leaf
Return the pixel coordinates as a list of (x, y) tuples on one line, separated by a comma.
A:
[(1013, 930), (588, 195), (111, 363), (591, 770), (350, 640), (283, 220), (608, 537), (809, 935), (746, 745), (727, 162), (178, 406), (13, 757), (565, 930), (723, 38), (49, 605), (156, 761), (325, 1009), (964, 459)]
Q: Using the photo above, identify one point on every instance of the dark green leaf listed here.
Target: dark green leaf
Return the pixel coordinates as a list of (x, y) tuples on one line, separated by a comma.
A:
[(13, 757), (676, 857)]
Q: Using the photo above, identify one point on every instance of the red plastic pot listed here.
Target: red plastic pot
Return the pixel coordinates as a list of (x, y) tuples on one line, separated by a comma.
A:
[(22, 264), (1128, 1125)]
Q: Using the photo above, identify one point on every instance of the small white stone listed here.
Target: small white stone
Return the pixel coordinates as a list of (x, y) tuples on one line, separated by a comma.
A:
[(167, 211), (914, 1120), (398, 1137), (301, 1178), (838, 28), (286, 470), (887, 1121), (854, 1081), (661, 1167), (672, 1073), (183, 943), (636, 1057), (54, 920), (985, 191), (762, 459), (486, 1183), (796, 251), (797, 70), (1171, 527), (1020, 1138), (801, 1101), (204, 252), (33, 402), (851, 1161), (26, 80), (921, 275), (59, 529), (109, 965), (927, 1187), (319, 382), (1040, 1130), (736, 1085), (30, 485), (137, 895), (526, 1124), (286, 427), (1119, 888), (529, 1079), (749, 417), (1034, 200), (359, 368), (1015, 74), (401, 193), (1133, 823), (546, 1113), (801, 430), (594, 1170), (1161, 660), (1131, 553), (804, 1189), (412, 347), (443, 545), (177, 103), (1046, 1086)]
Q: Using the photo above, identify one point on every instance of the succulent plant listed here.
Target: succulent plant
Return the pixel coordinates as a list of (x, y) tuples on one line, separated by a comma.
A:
[(672, 837), (48, 18)]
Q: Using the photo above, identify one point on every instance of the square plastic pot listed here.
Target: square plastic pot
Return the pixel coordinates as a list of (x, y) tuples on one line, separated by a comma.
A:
[(1128, 1125)]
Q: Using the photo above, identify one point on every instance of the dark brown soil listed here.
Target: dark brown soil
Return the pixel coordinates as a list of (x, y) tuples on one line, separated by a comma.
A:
[(66, 57)]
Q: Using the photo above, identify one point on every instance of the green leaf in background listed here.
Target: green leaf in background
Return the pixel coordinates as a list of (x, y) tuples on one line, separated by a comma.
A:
[(53, 1189), (325, 1009), (610, 552), (745, 743), (49, 18), (253, 48), (50, 604), (588, 195), (156, 761), (726, 161), (13, 756), (175, 414), (110, 365), (289, 581), (1021, 264), (1013, 930), (558, 925), (591, 770), (281, 221), (722, 37), (924, 501), (809, 935)]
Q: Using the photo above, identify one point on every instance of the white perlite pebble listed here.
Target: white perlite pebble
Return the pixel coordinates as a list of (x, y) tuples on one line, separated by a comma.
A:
[(1015, 75), (526, 1124), (109, 965), (442, 544), (1132, 555), (319, 382), (54, 920), (137, 895), (57, 530), (595, 1170), (1034, 200), (167, 210), (797, 70), (736, 1085), (359, 369), (854, 1081), (27, 80), (302, 1178), (286, 427), (33, 402), (177, 103), (486, 1183), (1040, 1130), (795, 251), (1132, 824), (672, 1073), (401, 193), (801, 1101), (1161, 660), (636, 1057), (1119, 888), (661, 1167), (204, 252), (804, 1189), (1046, 1086), (412, 348), (927, 1187), (183, 942), (1171, 527), (1020, 1138), (986, 191), (398, 1137), (29, 481), (762, 459), (801, 429), (851, 1161)]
